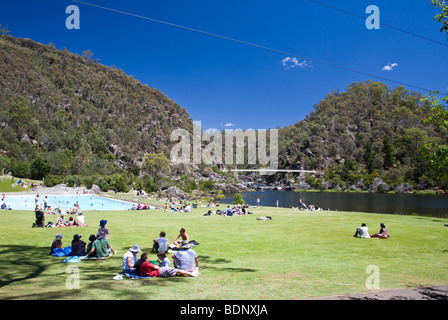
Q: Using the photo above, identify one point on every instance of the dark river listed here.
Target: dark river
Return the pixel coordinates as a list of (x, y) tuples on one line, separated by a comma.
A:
[(403, 204)]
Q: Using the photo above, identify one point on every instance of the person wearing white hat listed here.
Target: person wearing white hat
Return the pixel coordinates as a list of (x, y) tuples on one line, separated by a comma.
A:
[(130, 258)]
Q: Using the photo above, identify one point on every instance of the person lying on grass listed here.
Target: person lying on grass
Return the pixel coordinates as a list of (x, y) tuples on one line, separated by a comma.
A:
[(147, 269)]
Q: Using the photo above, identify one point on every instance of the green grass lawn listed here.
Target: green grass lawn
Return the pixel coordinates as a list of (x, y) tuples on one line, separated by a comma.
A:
[(294, 256), (6, 186)]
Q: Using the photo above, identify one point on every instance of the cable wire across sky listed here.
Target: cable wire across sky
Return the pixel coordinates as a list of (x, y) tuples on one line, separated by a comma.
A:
[(381, 24), (255, 45)]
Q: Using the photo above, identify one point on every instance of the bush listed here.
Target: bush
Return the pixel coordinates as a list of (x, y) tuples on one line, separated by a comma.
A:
[(88, 182), (39, 168), (21, 169), (120, 184), (238, 199), (52, 180), (73, 181)]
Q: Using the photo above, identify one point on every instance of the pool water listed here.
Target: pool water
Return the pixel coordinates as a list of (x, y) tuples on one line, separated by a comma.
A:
[(66, 202)]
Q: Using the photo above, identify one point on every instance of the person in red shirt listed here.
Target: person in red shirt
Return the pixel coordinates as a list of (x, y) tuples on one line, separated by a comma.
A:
[(147, 269)]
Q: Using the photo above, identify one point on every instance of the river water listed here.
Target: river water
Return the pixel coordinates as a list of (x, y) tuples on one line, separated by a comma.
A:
[(404, 204)]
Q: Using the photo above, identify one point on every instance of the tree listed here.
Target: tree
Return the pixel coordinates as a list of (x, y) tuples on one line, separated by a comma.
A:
[(436, 155), (21, 169), (238, 199), (39, 168), (442, 17), (388, 151), (369, 157), (3, 30), (156, 165)]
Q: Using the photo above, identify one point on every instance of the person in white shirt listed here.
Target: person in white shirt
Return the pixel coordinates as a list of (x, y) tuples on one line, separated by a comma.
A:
[(186, 258), (130, 258), (80, 221), (362, 232), (161, 243)]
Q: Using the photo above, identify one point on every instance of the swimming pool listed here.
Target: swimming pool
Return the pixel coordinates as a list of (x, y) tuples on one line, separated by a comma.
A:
[(86, 202)]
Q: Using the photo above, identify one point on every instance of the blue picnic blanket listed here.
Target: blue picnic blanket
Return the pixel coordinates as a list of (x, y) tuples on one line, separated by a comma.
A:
[(76, 259), (73, 259), (133, 276), (62, 252)]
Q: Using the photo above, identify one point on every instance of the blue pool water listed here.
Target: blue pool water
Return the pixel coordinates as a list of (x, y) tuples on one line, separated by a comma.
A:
[(66, 202)]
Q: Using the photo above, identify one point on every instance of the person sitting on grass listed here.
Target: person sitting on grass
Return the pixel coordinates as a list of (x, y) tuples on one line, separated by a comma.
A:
[(163, 260), (362, 232), (130, 258), (80, 220), (161, 243), (382, 234), (70, 223), (57, 243), (101, 248), (60, 222), (147, 269), (78, 246), (92, 238), (186, 259), (103, 231), (183, 235)]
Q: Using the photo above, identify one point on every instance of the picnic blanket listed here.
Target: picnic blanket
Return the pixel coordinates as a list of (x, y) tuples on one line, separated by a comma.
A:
[(62, 252), (133, 276), (76, 259), (173, 248)]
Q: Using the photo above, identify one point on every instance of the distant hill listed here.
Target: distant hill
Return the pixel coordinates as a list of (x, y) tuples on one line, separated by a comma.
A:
[(84, 117), (368, 131), (67, 114)]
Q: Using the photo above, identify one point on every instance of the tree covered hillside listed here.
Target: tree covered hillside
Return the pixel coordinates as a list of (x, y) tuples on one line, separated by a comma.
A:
[(72, 115), (369, 131)]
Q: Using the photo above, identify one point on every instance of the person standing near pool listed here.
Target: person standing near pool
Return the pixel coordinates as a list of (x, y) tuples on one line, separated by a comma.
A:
[(45, 204)]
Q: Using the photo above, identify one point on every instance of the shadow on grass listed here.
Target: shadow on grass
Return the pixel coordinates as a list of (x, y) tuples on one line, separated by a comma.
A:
[(21, 263), (205, 262), (33, 274)]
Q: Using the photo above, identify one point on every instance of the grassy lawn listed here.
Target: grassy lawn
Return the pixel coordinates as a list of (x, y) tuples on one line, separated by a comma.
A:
[(6, 186), (294, 256)]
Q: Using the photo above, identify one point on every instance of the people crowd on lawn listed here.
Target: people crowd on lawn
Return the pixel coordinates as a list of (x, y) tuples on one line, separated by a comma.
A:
[(185, 260), (136, 262)]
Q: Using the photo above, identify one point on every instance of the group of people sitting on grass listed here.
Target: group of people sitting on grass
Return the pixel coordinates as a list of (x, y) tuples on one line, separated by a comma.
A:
[(140, 206), (235, 210), (98, 245), (303, 206), (180, 207), (185, 263), (185, 260), (363, 232), (60, 221)]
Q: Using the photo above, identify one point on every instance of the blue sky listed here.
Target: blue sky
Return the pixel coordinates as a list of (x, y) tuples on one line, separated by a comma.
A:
[(222, 82)]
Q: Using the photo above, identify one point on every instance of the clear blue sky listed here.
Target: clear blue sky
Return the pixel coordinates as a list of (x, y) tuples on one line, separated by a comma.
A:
[(221, 82)]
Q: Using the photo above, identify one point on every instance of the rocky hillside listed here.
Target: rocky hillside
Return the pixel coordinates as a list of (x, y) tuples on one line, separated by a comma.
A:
[(370, 131), (84, 117)]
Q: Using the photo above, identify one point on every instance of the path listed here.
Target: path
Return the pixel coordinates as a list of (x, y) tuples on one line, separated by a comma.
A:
[(439, 292)]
